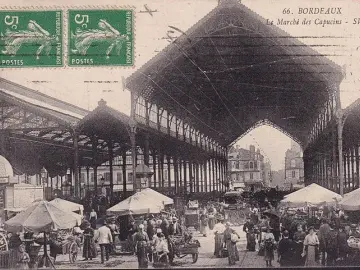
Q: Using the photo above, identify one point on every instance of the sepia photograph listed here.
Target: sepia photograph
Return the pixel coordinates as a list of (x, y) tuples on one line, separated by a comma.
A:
[(179, 134)]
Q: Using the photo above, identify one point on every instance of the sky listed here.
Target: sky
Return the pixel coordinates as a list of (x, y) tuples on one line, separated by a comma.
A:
[(68, 83)]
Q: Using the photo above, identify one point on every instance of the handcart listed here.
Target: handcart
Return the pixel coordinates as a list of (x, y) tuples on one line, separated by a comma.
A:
[(182, 247)]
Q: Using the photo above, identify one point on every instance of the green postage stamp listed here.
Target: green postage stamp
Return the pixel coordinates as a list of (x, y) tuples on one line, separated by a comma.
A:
[(101, 38), (31, 39)]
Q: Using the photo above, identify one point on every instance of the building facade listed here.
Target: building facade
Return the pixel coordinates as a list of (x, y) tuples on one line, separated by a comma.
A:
[(247, 168), (294, 166)]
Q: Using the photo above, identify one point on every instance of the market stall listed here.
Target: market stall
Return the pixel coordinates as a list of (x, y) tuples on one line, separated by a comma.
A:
[(68, 206), (313, 195), (41, 217), (157, 196), (137, 204), (351, 201)]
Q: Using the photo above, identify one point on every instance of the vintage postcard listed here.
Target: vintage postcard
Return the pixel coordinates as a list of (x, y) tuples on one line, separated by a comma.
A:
[(179, 134)]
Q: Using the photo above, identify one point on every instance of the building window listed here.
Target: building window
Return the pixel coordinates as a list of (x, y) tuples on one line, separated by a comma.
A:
[(119, 177), (251, 164), (293, 174), (129, 180), (255, 165), (107, 177), (293, 163), (251, 176), (82, 178), (238, 165), (92, 177)]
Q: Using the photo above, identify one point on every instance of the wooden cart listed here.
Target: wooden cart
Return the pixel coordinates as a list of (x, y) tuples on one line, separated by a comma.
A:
[(180, 248)]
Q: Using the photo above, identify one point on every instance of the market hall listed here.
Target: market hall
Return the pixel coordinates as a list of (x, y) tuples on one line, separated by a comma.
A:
[(184, 108)]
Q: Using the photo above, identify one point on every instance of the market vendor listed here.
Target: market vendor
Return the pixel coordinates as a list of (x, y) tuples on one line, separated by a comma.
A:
[(55, 244)]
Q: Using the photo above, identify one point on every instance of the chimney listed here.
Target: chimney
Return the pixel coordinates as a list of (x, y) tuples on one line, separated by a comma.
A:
[(252, 148)]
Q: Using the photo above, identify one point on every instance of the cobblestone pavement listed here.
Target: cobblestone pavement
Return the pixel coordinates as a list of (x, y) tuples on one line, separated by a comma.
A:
[(206, 258)]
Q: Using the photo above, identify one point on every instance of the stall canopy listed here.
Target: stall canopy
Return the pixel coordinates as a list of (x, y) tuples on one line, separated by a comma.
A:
[(67, 206), (351, 201), (157, 196), (41, 217), (137, 204), (311, 195), (351, 193)]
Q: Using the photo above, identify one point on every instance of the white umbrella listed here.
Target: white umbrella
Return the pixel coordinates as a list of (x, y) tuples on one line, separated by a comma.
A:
[(137, 204), (39, 217), (67, 205), (351, 201), (157, 196), (354, 192), (313, 194)]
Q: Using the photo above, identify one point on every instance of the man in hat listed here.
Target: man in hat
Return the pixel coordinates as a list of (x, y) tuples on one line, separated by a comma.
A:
[(286, 250), (150, 229), (165, 226), (104, 238), (322, 235), (174, 227), (332, 246)]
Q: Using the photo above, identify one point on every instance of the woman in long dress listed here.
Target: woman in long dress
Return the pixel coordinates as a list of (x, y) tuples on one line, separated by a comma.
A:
[(231, 245), (203, 223), (141, 240), (219, 237), (311, 245), (269, 241), (89, 248)]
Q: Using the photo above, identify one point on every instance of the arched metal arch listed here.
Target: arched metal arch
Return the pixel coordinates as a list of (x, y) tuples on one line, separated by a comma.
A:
[(267, 122)]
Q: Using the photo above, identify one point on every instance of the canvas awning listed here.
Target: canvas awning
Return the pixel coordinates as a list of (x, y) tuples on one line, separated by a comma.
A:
[(356, 191), (41, 217), (157, 196), (136, 204), (351, 201), (311, 195), (67, 205)]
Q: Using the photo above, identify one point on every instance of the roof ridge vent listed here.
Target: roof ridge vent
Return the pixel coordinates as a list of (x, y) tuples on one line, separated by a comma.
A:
[(229, 2)]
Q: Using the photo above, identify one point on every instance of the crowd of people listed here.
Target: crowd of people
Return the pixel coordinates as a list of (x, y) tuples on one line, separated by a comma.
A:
[(318, 237), (299, 238)]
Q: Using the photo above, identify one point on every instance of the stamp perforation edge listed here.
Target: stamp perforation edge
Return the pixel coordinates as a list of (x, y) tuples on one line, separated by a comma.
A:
[(65, 12)]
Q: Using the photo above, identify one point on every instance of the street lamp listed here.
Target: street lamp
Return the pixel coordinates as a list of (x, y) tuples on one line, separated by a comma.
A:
[(132, 130)]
